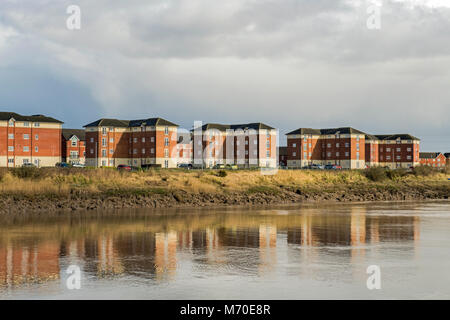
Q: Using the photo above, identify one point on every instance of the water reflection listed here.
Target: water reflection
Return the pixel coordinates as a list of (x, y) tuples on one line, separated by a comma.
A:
[(145, 245)]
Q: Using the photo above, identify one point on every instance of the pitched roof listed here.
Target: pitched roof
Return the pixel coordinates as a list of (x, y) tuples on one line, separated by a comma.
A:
[(245, 126), (130, 123), (79, 133), (401, 136), (33, 118), (344, 130), (429, 155)]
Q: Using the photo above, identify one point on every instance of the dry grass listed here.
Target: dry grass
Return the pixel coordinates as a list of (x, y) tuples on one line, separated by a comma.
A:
[(62, 182)]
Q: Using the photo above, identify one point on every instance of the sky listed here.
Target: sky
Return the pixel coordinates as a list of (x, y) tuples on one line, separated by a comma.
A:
[(286, 63)]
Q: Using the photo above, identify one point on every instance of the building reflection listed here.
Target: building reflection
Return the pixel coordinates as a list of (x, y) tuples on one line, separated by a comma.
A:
[(150, 250)]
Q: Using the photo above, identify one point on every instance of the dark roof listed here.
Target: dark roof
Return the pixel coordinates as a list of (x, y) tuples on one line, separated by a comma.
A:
[(429, 155), (33, 118), (245, 126), (371, 137), (130, 123), (402, 136), (79, 133), (184, 137), (344, 130), (282, 151)]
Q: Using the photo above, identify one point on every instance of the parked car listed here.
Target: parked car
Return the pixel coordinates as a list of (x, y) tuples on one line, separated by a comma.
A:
[(62, 165), (79, 165), (28, 165), (124, 167), (185, 166), (231, 167), (316, 167), (219, 166), (333, 167)]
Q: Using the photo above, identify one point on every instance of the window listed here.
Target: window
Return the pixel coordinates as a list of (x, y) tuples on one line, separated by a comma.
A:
[(134, 140), (255, 153), (337, 145), (328, 154), (25, 161), (26, 149), (294, 154), (36, 137), (152, 139), (246, 152), (10, 136), (310, 145), (92, 151), (37, 124), (26, 137), (347, 144), (398, 150), (103, 131), (388, 149), (346, 154), (357, 138), (166, 163), (357, 146), (408, 149), (103, 163), (398, 157), (294, 145), (166, 141), (36, 149), (26, 124), (166, 130), (103, 153), (103, 142), (134, 151), (143, 139), (92, 139), (10, 160), (408, 157), (268, 154), (74, 143), (305, 138), (329, 145), (166, 153), (254, 142), (111, 140), (111, 151), (74, 154), (337, 154), (304, 155), (143, 150), (268, 145), (11, 123), (152, 150), (387, 157), (268, 134), (10, 148), (304, 146), (246, 142)]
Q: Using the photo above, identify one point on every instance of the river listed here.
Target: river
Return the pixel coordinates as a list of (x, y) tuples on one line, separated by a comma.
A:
[(282, 252)]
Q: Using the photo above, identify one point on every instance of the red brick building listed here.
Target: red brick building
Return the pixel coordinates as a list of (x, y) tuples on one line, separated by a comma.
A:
[(338, 146), (73, 148), (245, 145), (32, 139), (447, 157), (184, 148), (394, 151), (145, 142), (282, 156), (433, 159)]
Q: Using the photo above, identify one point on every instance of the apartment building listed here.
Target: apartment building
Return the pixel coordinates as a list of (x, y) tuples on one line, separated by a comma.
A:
[(32, 139), (246, 145), (338, 146), (394, 151), (184, 148), (145, 142), (432, 159), (282, 156), (73, 147), (447, 157)]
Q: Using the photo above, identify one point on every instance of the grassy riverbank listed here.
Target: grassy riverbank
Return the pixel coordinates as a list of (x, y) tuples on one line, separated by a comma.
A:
[(55, 188)]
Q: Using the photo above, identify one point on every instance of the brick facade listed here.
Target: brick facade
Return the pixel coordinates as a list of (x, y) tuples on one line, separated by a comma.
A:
[(339, 146), (29, 139), (246, 145), (433, 159), (112, 142), (73, 146)]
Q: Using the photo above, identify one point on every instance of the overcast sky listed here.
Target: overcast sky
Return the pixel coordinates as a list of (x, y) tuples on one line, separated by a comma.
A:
[(287, 63)]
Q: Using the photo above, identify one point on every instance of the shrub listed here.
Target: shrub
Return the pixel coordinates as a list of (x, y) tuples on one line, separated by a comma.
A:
[(396, 174), (27, 173), (424, 171), (222, 173), (375, 174)]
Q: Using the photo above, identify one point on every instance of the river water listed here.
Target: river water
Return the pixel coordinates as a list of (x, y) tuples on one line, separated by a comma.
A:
[(295, 252)]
